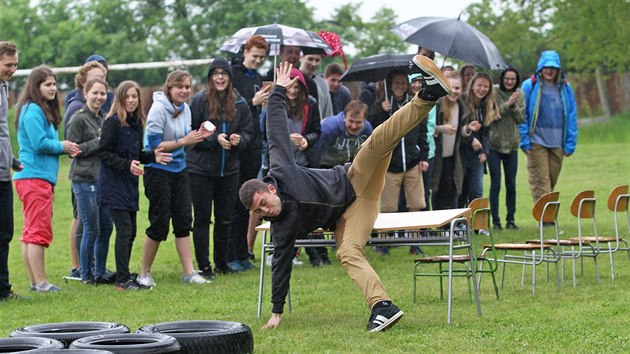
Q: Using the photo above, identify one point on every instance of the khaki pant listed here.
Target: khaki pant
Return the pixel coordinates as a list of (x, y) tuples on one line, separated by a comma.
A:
[(411, 180), (367, 175), (543, 167)]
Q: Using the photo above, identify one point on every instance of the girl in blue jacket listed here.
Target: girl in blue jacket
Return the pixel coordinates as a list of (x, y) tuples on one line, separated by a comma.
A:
[(38, 119)]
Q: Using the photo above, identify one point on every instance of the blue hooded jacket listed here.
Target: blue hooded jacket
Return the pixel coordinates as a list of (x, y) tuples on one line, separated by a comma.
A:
[(336, 146), (532, 92)]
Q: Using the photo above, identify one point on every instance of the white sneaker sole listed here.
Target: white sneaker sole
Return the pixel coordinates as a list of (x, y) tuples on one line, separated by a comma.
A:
[(429, 66), (392, 321)]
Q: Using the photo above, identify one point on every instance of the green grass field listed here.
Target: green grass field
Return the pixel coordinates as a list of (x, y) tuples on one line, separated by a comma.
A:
[(329, 314)]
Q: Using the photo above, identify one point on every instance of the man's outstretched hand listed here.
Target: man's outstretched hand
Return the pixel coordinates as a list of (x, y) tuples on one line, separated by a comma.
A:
[(275, 319), (283, 77)]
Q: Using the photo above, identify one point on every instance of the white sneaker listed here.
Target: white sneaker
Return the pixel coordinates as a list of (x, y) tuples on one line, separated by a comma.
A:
[(268, 260), (146, 280), (297, 262), (194, 278)]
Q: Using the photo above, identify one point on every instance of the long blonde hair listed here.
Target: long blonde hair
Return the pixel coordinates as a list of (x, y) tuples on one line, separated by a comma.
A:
[(491, 111), (118, 107)]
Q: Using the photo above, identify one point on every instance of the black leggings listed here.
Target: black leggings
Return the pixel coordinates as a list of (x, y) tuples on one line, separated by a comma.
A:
[(125, 224)]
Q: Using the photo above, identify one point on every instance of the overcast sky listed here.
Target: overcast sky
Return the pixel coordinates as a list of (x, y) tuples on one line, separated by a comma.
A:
[(404, 9)]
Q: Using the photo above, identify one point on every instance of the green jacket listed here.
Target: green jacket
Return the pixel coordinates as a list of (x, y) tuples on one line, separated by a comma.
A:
[(84, 128), (504, 135)]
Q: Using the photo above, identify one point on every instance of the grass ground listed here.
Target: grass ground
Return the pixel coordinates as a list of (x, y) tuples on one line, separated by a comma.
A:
[(329, 315)]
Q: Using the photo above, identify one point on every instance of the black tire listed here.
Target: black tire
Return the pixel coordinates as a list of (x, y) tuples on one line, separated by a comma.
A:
[(67, 332), (70, 351), (198, 337), (129, 343), (11, 345)]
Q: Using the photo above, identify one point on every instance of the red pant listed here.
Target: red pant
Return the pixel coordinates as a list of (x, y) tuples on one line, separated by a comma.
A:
[(37, 199)]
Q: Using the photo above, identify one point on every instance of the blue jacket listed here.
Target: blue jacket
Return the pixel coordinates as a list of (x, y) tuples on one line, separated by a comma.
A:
[(335, 146), (39, 145), (532, 92)]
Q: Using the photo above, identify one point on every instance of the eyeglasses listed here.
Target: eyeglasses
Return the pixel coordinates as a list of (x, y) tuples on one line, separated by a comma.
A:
[(220, 73)]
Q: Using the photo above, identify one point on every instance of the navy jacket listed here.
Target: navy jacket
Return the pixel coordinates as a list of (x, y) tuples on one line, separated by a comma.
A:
[(247, 86), (119, 145)]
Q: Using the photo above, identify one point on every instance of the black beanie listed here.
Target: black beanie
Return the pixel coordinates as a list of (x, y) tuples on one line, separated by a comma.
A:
[(221, 63)]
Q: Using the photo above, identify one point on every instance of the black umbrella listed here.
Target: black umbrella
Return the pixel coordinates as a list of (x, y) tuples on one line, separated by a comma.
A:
[(376, 67), (452, 37), (275, 35)]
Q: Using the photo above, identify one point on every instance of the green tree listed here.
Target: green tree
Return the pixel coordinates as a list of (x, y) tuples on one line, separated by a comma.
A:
[(367, 37), (518, 29)]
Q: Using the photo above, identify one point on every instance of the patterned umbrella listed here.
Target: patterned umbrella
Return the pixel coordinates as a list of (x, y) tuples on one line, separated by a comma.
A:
[(277, 35)]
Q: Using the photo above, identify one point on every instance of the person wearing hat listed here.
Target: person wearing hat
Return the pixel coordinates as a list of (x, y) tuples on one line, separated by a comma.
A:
[(110, 95), (213, 165)]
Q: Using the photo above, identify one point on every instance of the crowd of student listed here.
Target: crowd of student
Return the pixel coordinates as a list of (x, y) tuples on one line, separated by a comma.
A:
[(198, 149)]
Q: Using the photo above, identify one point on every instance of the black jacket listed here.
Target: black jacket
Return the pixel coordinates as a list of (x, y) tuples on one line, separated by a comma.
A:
[(208, 157), (468, 154), (416, 145), (247, 86), (311, 198), (119, 145)]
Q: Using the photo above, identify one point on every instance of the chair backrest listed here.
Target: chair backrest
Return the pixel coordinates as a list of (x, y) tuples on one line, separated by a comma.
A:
[(583, 205), (546, 207), (480, 212), (618, 199)]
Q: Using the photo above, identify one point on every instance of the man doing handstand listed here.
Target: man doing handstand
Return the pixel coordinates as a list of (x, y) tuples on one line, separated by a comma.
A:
[(344, 199)]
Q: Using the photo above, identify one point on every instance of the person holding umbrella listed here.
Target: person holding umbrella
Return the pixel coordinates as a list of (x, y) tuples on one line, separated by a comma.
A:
[(298, 200)]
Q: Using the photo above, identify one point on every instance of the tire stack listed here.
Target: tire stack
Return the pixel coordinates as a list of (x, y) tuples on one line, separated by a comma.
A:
[(193, 337)]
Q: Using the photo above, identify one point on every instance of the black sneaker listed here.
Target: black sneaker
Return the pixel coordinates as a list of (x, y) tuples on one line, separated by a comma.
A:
[(383, 318), (11, 296), (107, 278), (435, 84), (131, 285), (512, 226), (207, 273), (499, 227)]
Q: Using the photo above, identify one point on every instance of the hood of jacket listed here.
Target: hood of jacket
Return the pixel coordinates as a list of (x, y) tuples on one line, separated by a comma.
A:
[(296, 72), (160, 98), (548, 59)]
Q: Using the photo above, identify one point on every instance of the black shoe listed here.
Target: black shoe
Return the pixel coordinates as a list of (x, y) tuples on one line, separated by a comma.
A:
[(512, 226), (316, 262), (11, 296), (131, 285), (383, 318), (107, 278), (548, 224), (89, 281), (207, 273), (224, 271), (251, 256), (499, 227), (325, 260), (434, 83)]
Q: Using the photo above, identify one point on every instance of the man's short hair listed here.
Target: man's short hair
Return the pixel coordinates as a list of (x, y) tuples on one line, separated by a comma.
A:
[(356, 107), (248, 189), (7, 48), (333, 69)]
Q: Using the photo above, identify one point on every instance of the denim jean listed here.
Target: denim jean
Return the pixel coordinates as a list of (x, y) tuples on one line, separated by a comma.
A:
[(6, 234), (97, 228), (472, 187), (510, 166)]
